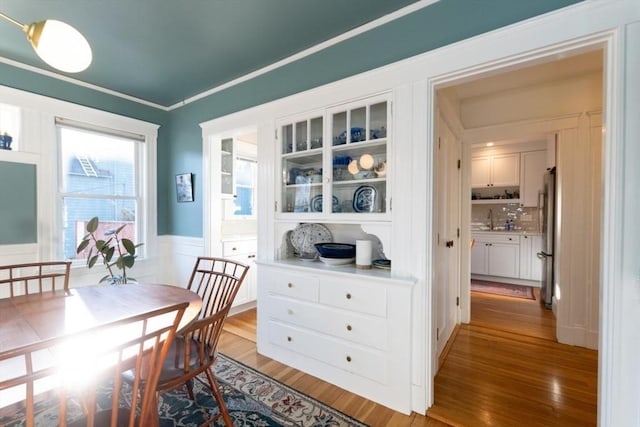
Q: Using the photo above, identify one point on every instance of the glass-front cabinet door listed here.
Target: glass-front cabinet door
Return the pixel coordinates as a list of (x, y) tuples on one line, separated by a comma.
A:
[(358, 156), (227, 160), (301, 145), (334, 162)]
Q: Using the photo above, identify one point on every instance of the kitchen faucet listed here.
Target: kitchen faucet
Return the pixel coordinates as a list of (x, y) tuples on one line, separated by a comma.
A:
[(490, 216)]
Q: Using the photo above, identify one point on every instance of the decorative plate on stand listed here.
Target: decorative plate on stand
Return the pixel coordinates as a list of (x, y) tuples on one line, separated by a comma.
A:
[(305, 236), (316, 203), (364, 199)]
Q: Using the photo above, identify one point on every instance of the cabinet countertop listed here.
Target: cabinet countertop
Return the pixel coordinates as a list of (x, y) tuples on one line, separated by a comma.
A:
[(503, 232), (318, 267)]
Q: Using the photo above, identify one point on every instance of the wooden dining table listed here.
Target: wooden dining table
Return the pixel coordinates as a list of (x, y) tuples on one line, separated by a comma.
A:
[(32, 318), (36, 317)]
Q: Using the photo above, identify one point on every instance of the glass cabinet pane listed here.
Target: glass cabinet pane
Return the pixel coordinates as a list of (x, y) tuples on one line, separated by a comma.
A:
[(315, 133), (301, 136), (378, 123), (302, 183), (358, 125), (359, 160), (226, 166), (339, 128), (287, 139)]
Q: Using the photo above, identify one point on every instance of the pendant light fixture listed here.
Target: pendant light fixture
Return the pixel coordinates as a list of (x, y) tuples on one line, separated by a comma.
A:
[(57, 43)]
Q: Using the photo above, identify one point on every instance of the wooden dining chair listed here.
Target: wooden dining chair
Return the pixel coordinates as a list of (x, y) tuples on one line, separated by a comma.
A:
[(217, 281), (86, 368), (33, 278)]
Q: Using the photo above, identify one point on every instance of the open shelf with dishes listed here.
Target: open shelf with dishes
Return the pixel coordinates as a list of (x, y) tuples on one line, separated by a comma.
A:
[(347, 175)]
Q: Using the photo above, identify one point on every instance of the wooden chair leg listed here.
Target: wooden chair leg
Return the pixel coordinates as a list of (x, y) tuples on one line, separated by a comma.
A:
[(190, 389), (218, 396)]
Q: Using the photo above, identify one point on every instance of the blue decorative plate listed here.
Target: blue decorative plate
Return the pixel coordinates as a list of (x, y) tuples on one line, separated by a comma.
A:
[(364, 199), (306, 235), (316, 203), (384, 264)]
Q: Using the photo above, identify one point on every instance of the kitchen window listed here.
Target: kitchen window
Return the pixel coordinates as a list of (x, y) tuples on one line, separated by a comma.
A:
[(100, 173)]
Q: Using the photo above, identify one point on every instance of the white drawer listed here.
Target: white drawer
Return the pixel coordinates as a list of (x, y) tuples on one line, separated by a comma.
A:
[(357, 296), (354, 359), (235, 247), (293, 285), (360, 329)]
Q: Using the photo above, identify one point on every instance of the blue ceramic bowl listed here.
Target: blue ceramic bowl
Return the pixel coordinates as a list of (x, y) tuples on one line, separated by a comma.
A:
[(336, 250)]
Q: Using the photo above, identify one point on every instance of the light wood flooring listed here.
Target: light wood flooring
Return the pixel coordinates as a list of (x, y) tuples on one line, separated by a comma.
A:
[(503, 369)]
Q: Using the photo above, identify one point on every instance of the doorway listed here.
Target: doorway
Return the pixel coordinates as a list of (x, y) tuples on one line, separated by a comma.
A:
[(231, 207), (485, 111)]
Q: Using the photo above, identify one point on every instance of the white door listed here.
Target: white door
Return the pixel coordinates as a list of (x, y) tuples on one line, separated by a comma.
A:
[(447, 283)]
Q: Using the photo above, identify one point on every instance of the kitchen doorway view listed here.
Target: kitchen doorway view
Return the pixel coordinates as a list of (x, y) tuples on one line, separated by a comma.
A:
[(532, 266)]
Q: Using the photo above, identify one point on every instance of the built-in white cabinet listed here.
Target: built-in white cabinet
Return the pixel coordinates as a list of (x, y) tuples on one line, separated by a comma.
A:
[(244, 251), (534, 166), (496, 255), (334, 162), (499, 170), (530, 264), (350, 330), (507, 255)]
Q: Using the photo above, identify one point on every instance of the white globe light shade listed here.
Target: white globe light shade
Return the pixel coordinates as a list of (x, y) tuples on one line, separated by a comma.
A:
[(60, 45), (366, 161)]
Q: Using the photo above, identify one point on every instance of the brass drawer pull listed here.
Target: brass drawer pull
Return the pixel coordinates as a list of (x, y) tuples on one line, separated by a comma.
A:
[(348, 358)]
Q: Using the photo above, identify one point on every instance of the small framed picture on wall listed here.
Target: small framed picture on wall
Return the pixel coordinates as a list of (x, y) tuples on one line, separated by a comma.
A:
[(184, 187)]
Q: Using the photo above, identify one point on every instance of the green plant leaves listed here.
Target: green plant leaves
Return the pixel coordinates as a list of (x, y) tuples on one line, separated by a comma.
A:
[(92, 225), (123, 250), (129, 246), (82, 246)]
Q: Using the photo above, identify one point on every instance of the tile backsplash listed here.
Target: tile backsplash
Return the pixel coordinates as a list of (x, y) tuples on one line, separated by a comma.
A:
[(522, 219)]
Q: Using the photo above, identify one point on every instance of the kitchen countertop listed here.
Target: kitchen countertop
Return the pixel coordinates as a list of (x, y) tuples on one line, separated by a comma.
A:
[(515, 232)]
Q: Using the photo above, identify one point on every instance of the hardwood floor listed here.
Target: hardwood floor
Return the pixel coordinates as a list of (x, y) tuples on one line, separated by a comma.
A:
[(503, 369)]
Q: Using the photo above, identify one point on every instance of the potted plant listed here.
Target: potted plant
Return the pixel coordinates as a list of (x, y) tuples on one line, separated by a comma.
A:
[(117, 253)]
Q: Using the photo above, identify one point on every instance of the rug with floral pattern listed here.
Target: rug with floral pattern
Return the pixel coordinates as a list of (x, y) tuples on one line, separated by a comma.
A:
[(253, 400)]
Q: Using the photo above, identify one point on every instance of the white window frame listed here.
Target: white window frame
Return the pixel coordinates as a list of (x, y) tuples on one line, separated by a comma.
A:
[(145, 176), (139, 156)]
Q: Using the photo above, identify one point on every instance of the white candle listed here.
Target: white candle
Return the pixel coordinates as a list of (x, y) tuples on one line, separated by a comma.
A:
[(363, 253)]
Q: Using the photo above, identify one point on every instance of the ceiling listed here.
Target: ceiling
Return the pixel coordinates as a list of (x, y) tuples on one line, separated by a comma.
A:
[(164, 51)]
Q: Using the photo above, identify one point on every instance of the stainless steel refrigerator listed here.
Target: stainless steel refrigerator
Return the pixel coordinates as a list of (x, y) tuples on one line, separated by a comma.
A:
[(547, 208)]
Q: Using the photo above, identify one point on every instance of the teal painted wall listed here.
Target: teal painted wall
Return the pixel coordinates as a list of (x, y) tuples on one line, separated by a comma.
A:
[(440, 24), (53, 88), (180, 138), (18, 198)]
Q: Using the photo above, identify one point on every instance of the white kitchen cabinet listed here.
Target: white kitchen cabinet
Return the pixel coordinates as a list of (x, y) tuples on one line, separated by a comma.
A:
[(496, 255), (534, 166), (480, 257), (530, 264), (499, 170), (244, 251), (337, 171), (350, 330)]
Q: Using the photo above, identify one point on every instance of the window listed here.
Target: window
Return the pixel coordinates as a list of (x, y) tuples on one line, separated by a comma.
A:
[(99, 176)]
